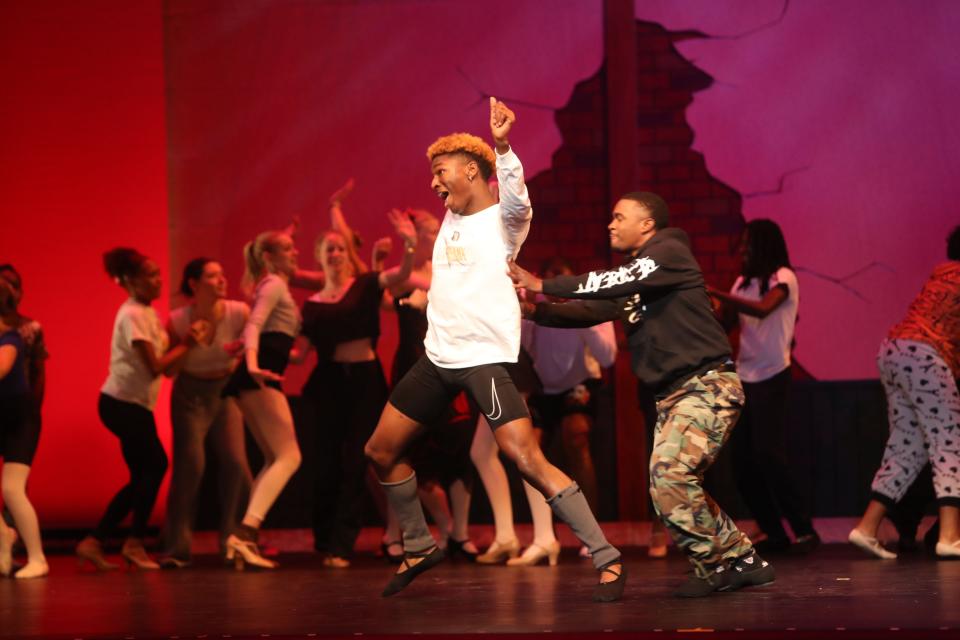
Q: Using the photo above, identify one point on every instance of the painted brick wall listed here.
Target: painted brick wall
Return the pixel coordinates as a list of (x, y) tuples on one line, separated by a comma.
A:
[(570, 200)]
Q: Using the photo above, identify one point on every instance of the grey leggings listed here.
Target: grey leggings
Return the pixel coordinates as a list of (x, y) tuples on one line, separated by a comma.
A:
[(197, 411)]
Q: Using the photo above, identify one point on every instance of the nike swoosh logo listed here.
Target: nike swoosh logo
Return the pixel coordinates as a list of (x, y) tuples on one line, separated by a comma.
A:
[(495, 402)]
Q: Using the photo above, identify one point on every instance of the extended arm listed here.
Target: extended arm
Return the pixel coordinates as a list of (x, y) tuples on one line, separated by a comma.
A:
[(756, 308), (575, 314)]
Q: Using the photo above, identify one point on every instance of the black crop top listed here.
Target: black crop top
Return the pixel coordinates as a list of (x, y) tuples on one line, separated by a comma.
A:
[(356, 315)]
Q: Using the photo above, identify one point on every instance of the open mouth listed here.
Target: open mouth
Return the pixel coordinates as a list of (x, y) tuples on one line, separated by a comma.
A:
[(445, 196)]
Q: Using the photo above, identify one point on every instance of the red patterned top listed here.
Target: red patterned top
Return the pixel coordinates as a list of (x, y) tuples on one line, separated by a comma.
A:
[(934, 316)]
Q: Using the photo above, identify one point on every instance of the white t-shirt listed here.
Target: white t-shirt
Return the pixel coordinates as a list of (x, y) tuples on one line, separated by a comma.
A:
[(206, 359), (473, 312), (564, 358), (765, 342), (130, 379)]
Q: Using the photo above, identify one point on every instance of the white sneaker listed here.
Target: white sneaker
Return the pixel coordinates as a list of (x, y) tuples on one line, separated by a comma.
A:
[(872, 545), (949, 551)]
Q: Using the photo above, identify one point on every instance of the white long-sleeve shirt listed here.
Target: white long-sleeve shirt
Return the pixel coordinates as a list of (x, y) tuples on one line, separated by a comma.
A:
[(474, 315), (273, 311), (564, 358)]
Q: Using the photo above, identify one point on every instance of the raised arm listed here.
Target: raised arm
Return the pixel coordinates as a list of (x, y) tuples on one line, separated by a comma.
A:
[(403, 225), (339, 223), (514, 200)]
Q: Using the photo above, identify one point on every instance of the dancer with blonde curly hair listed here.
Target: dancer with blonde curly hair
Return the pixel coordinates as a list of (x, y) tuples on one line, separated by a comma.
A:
[(473, 331)]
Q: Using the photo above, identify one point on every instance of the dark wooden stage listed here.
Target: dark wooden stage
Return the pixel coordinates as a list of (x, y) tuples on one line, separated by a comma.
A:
[(836, 590)]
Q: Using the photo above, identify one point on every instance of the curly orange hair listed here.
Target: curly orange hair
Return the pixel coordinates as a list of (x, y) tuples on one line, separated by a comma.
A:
[(468, 144)]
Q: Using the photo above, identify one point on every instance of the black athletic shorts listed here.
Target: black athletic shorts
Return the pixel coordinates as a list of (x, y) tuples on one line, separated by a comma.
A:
[(427, 390)]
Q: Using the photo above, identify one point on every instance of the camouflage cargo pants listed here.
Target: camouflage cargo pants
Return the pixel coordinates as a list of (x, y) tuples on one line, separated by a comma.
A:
[(692, 424)]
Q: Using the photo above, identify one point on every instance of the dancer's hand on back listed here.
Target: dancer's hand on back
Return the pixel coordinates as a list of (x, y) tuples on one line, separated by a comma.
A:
[(523, 279), (501, 121)]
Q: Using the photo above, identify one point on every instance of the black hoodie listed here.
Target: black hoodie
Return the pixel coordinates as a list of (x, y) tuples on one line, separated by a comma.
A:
[(659, 295)]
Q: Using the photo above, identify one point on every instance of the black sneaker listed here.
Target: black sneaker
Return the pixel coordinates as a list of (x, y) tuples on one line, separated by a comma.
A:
[(745, 571), (702, 582)]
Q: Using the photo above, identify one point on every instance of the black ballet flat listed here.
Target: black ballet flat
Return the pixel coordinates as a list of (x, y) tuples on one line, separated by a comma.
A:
[(400, 581), (455, 548), (613, 590), (392, 558)]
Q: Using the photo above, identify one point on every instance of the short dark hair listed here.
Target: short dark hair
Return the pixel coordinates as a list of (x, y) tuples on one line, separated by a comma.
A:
[(9, 267), (654, 204), (123, 263), (192, 271), (953, 244)]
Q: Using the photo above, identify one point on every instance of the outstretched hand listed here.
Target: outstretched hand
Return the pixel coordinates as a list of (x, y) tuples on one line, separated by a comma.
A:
[(523, 279), (292, 228), (403, 225), (501, 121), (340, 194)]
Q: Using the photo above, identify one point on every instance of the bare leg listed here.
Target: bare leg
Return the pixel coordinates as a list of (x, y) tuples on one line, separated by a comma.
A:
[(434, 499), (518, 441), (268, 415), (485, 455)]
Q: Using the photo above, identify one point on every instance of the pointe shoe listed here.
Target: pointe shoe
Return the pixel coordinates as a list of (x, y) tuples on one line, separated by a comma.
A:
[(136, 556), (33, 570), (335, 562), (949, 550), (499, 552), (870, 545), (243, 552), (90, 550), (8, 538), (535, 553)]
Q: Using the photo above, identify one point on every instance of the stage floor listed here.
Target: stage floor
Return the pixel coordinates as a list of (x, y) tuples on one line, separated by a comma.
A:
[(835, 588)]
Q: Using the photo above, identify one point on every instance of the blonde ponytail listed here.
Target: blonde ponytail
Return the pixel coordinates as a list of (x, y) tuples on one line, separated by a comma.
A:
[(254, 266)]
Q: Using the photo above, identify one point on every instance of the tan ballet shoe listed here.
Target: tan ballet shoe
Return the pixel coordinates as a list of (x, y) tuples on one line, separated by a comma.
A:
[(533, 554)]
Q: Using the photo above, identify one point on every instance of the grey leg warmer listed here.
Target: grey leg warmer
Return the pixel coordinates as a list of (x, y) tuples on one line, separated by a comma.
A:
[(571, 506), (402, 496)]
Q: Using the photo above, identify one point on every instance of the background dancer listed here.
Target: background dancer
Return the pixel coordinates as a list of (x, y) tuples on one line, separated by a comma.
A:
[(347, 385), (919, 362), (199, 410), (19, 435), (681, 351), (474, 328), (274, 322), (138, 357), (765, 298)]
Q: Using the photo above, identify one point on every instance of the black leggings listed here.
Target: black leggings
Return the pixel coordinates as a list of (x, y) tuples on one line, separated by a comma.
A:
[(348, 400), (761, 468), (145, 458)]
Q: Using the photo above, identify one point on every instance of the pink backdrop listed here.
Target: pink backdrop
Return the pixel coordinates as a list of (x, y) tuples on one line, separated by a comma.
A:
[(269, 106)]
